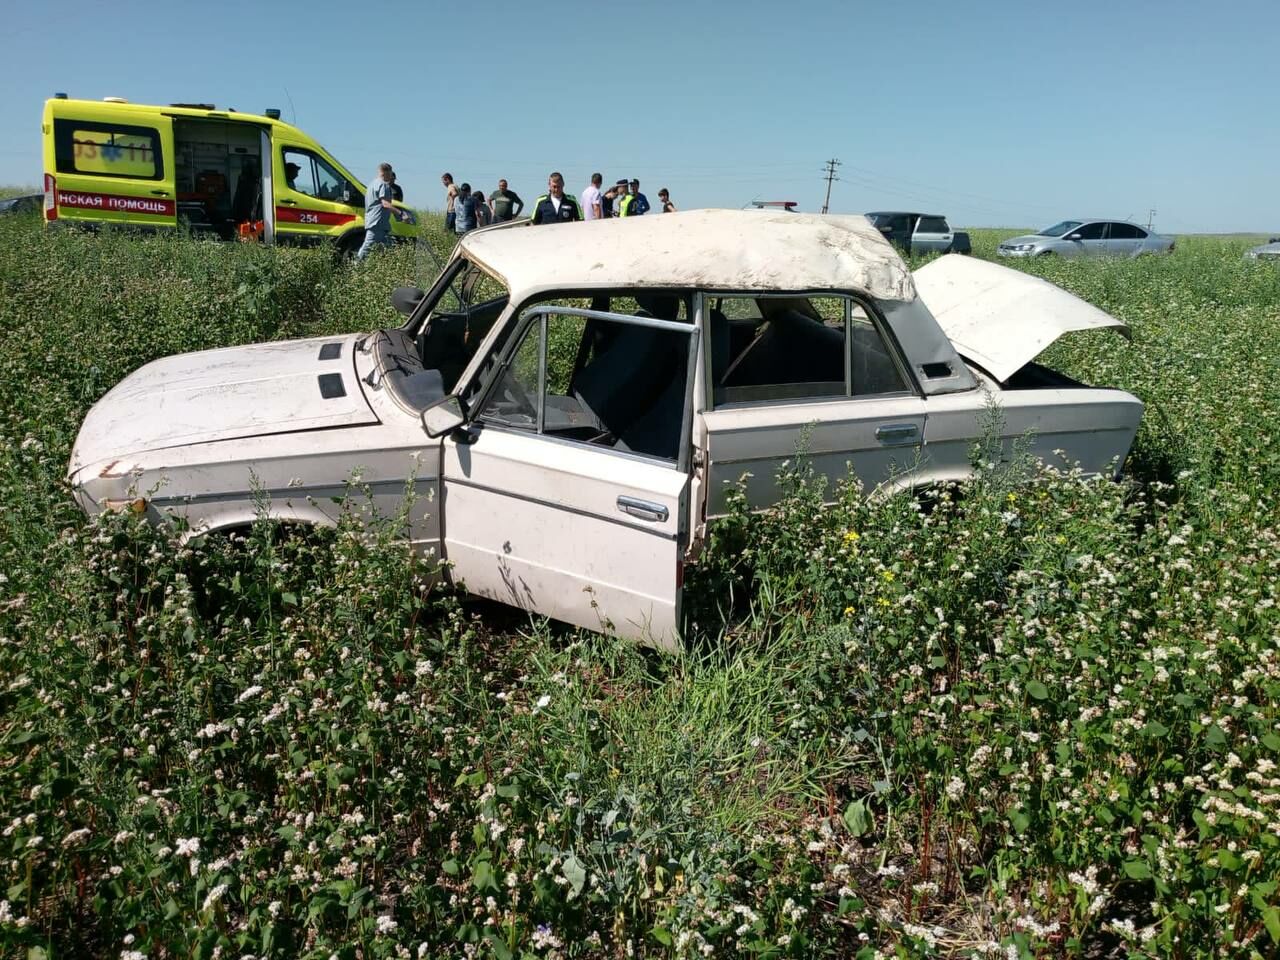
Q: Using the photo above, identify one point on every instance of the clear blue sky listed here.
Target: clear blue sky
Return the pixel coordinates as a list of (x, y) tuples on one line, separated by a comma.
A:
[(1017, 114)]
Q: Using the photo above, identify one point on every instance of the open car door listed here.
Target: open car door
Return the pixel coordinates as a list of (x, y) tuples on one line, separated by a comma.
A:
[(566, 493)]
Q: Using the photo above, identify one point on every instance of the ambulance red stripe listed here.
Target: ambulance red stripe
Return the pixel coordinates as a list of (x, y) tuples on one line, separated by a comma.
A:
[(110, 202), (320, 217)]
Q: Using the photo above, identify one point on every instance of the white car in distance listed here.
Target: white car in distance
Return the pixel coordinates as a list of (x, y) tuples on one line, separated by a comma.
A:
[(567, 460)]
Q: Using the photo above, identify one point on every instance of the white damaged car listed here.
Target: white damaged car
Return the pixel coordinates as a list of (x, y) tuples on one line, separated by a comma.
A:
[(571, 402)]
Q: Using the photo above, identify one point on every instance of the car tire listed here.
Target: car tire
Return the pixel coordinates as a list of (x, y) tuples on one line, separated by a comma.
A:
[(349, 244), (1045, 253)]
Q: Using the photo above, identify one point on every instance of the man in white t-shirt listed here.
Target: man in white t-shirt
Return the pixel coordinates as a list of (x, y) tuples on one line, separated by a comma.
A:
[(591, 198)]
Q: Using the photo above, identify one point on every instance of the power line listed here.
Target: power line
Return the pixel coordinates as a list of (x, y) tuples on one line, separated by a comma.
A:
[(830, 170)]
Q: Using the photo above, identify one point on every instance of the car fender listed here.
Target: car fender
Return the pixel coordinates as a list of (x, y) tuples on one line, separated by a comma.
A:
[(922, 481), (241, 513)]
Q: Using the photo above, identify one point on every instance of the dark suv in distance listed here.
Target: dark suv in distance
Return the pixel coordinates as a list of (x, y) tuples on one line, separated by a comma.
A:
[(919, 232)]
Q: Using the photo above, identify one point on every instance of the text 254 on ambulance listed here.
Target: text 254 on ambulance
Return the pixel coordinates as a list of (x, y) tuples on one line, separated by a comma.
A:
[(214, 171)]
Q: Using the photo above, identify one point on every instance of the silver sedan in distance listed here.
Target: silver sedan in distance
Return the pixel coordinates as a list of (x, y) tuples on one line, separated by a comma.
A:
[(1087, 238), (1267, 251)]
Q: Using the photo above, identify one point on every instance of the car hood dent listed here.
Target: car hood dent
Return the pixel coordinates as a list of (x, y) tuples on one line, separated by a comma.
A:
[(1001, 318), (224, 394)]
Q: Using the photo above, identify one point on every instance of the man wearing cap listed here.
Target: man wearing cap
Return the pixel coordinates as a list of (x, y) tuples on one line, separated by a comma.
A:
[(642, 202), (555, 206), (626, 202)]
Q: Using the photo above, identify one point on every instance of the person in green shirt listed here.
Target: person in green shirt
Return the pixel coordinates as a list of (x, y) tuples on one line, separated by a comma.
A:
[(504, 204)]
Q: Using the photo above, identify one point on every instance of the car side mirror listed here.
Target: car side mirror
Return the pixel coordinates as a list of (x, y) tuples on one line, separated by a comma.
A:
[(1074, 236), (443, 416), (406, 299)]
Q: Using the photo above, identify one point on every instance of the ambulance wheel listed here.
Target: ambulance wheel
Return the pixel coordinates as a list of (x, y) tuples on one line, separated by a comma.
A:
[(350, 243)]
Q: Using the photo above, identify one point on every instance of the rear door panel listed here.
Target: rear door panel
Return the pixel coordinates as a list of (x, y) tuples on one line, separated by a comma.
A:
[(875, 438), (115, 172), (933, 235)]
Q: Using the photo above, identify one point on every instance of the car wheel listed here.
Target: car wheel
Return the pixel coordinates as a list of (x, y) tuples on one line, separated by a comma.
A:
[(349, 244)]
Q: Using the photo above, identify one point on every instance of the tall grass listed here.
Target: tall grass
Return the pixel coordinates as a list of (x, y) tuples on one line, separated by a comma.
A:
[(1025, 718)]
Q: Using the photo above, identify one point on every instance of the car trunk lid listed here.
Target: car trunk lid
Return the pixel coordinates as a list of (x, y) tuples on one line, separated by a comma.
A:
[(1001, 318)]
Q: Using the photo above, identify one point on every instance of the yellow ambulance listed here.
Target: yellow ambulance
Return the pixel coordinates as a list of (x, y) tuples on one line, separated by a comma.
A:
[(214, 172)]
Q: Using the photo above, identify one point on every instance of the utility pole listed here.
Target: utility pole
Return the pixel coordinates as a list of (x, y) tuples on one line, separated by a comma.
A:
[(829, 168), (1151, 215)]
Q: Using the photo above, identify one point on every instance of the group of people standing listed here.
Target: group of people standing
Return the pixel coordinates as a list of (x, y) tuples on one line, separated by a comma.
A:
[(467, 209), (623, 199)]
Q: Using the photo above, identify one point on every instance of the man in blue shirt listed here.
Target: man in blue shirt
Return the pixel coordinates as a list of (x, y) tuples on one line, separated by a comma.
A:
[(642, 202), (378, 210), (464, 210)]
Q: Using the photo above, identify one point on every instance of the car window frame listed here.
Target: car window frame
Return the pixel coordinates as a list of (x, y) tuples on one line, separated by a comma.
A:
[(65, 128), (443, 281), (1136, 232), (538, 313), (315, 160), (471, 389), (1102, 234), (702, 309)]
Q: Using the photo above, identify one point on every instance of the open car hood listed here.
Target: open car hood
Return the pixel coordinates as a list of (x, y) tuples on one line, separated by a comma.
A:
[(1001, 318)]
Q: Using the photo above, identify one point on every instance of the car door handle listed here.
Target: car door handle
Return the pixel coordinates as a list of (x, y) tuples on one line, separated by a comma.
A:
[(644, 509), (892, 434), (291, 203), (159, 193)]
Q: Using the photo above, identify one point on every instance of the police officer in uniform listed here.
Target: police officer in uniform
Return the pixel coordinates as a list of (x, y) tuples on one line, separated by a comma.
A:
[(627, 203), (555, 206)]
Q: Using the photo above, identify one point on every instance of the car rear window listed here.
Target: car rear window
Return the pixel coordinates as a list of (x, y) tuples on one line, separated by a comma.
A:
[(933, 225)]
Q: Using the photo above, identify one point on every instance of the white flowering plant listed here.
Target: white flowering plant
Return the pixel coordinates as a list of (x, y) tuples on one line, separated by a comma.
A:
[(1034, 714)]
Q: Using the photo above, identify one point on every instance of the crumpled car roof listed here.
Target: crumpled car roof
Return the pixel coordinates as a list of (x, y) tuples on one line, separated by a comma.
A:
[(705, 249)]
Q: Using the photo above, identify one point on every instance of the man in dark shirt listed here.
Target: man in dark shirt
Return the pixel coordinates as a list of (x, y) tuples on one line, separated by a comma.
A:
[(555, 206), (641, 206), (505, 204), (396, 192)]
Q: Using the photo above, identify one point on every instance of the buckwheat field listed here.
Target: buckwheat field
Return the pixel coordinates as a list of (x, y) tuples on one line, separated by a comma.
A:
[(1037, 715)]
